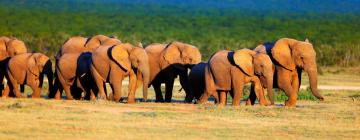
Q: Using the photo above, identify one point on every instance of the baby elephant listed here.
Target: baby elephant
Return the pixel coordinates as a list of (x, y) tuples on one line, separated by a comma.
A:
[(28, 68), (228, 72)]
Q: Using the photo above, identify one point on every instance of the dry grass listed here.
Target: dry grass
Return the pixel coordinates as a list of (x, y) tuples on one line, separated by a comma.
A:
[(336, 118)]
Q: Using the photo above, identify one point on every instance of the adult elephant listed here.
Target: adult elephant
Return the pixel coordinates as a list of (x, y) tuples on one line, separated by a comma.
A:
[(229, 71), (114, 62), (73, 48), (73, 72), (291, 57), (167, 61), (9, 47), (28, 68), (197, 83)]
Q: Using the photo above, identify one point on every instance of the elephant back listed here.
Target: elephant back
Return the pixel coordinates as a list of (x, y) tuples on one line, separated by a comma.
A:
[(15, 47), (73, 45)]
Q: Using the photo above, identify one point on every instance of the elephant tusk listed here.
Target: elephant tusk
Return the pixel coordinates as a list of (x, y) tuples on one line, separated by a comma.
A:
[(82, 75)]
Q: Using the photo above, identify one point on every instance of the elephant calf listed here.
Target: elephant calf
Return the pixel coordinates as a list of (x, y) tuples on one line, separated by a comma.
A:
[(229, 71), (28, 68)]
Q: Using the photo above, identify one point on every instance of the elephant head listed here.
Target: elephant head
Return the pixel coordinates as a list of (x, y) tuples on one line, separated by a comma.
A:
[(180, 53), (42, 65), (265, 69), (122, 53), (292, 54), (258, 64)]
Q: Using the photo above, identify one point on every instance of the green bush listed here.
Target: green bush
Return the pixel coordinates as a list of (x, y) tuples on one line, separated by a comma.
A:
[(45, 25)]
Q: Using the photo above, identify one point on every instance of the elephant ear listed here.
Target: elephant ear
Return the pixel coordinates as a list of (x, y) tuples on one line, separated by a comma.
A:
[(244, 59), (172, 54), (281, 52), (121, 56), (3, 53)]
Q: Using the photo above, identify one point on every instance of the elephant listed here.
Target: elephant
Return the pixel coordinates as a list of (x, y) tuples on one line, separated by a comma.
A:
[(73, 72), (76, 46), (167, 61), (291, 57), (112, 63), (265, 76), (229, 71), (28, 68), (197, 83), (9, 47)]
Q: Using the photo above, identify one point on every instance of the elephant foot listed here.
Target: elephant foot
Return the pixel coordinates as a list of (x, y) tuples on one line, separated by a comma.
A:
[(263, 103), (35, 97), (159, 100), (248, 102), (290, 103), (131, 102), (168, 101), (70, 98)]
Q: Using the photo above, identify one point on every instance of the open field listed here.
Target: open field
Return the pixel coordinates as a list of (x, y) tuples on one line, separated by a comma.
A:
[(336, 118)]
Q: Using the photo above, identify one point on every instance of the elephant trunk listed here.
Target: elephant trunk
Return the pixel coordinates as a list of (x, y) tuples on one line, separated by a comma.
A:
[(312, 73), (145, 73), (269, 87)]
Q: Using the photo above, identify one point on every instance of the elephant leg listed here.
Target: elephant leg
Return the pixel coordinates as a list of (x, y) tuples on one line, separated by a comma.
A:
[(295, 90), (66, 88), (157, 88), (2, 75), (57, 90), (238, 91), (252, 96), (13, 86), (99, 83), (284, 83), (36, 90), (93, 94), (22, 88), (116, 88), (168, 90), (6, 92), (259, 90), (132, 88), (222, 95), (184, 81), (216, 96)]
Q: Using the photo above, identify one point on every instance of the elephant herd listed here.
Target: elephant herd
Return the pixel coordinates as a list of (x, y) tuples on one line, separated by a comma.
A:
[(84, 65)]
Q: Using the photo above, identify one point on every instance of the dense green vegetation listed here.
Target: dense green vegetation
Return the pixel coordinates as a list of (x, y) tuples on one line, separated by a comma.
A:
[(45, 25)]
